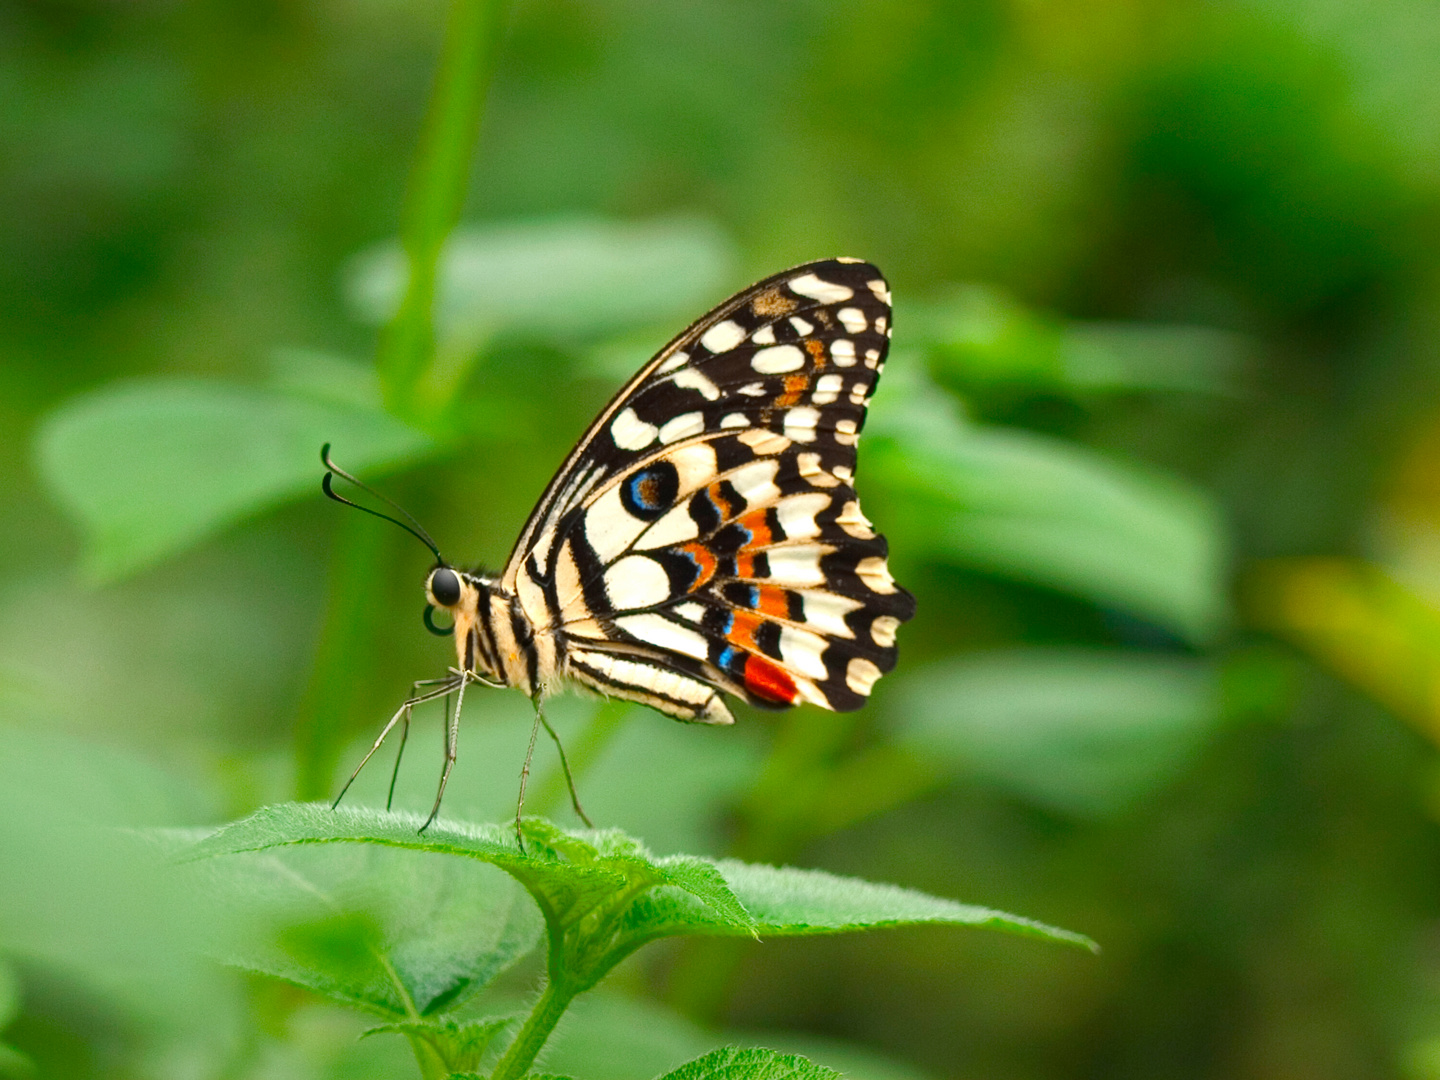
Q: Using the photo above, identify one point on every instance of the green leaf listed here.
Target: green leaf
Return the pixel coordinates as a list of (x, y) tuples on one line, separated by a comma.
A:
[(732, 1063), (1083, 731), (148, 469), (789, 902), (609, 1036), (396, 932), (564, 277), (14, 1065), (1045, 511), (9, 994), (460, 1044), (607, 891), (979, 337)]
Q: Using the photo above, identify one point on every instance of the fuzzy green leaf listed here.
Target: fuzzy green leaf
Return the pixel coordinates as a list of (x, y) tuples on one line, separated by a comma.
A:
[(460, 1044), (1083, 731), (573, 873), (565, 276), (1045, 511), (388, 930), (148, 469), (789, 902), (732, 1063)]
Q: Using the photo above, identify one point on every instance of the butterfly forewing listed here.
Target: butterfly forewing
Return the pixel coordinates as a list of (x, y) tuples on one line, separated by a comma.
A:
[(705, 534)]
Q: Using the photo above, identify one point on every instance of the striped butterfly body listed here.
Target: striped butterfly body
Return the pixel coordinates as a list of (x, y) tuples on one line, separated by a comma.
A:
[(704, 537)]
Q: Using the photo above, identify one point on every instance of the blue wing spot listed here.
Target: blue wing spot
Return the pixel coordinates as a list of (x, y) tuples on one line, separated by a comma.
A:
[(649, 492)]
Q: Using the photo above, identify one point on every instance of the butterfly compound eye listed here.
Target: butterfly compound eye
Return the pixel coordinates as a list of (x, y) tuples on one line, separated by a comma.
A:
[(445, 587)]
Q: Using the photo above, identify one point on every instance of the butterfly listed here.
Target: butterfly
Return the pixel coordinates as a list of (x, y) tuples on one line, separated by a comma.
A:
[(703, 539)]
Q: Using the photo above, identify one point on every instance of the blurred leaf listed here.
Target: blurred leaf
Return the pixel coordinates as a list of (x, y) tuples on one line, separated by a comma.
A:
[(88, 904), (460, 1044), (1083, 731), (1049, 512), (607, 1036), (148, 469), (1361, 623), (735, 1064), (383, 929), (980, 337), (565, 276), (14, 1064), (9, 994), (338, 380)]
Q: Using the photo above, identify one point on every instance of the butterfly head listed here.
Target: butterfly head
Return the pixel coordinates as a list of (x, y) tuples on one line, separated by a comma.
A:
[(467, 598)]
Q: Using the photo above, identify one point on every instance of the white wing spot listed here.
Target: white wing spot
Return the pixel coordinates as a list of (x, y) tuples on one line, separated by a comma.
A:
[(764, 441), (797, 565), (658, 630), (826, 611), (808, 466), (801, 650), (800, 423), (682, 427), (693, 378), (632, 433), (854, 522), (858, 393), (752, 389), (797, 515), (882, 630), (695, 612), (842, 351), (764, 336), (824, 291), (675, 527), (802, 327), (675, 361), (860, 675), (723, 336), (882, 324), (876, 575), (827, 389), (636, 582), (844, 472), (735, 419), (881, 291), (777, 359), (853, 319), (755, 482)]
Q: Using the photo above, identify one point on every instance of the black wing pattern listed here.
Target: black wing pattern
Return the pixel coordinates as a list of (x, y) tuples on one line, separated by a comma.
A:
[(704, 536)]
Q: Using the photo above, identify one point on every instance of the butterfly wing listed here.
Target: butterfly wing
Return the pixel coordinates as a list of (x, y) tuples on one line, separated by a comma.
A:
[(704, 535)]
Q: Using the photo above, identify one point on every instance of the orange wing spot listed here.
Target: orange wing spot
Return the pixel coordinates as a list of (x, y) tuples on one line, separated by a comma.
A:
[(705, 560), (756, 524), (772, 600), (743, 627), (744, 565), (795, 387), (721, 504), (816, 349), (765, 680)]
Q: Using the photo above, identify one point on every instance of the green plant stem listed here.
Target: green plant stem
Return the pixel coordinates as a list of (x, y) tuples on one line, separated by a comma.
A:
[(520, 1055), (438, 182), (347, 639)]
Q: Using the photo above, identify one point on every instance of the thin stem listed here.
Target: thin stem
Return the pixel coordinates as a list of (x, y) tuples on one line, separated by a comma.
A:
[(520, 1055), (346, 643), (438, 182)]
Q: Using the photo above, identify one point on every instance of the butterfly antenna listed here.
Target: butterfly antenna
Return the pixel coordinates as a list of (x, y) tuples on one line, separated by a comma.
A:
[(415, 529)]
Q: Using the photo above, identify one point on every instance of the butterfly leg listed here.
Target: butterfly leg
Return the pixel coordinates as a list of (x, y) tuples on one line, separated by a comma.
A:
[(525, 770), (400, 753), (452, 737), (401, 713), (565, 767)]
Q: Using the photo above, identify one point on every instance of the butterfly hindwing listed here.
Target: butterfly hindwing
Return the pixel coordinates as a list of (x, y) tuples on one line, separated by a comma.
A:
[(704, 535)]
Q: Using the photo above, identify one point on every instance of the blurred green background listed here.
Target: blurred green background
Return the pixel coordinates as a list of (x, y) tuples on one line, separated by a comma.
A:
[(1158, 452)]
